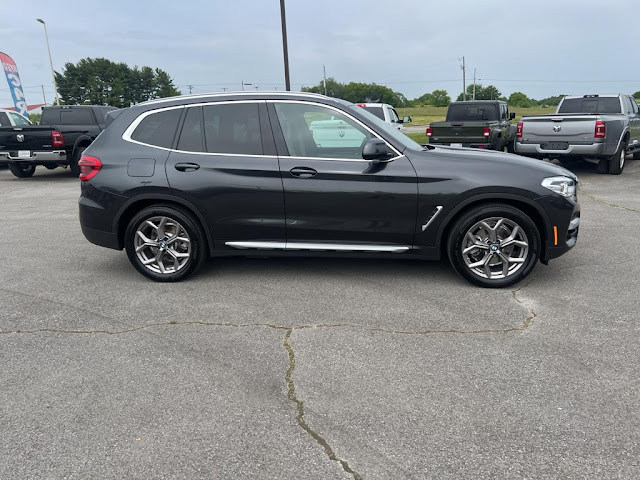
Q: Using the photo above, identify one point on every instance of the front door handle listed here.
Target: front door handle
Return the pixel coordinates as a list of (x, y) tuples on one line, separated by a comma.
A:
[(187, 167), (303, 172)]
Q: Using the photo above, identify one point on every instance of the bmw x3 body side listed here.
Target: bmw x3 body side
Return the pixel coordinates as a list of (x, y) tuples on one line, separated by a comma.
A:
[(179, 180)]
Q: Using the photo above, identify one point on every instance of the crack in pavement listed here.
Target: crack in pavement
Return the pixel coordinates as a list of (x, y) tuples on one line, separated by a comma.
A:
[(609, 204), (291, 395)]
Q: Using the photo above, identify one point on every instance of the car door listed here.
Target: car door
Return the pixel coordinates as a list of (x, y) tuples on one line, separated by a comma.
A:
[(334, 199), (225, 163), (634, 120)]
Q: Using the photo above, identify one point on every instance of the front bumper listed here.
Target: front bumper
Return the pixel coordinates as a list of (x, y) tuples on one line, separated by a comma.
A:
[(55, 156), (563, 228)]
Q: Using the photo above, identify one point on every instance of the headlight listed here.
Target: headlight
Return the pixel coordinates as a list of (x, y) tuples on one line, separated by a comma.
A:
[(565, 186)]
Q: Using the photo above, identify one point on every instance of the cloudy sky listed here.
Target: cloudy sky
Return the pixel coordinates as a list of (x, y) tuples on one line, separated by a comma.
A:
[(542, 47)]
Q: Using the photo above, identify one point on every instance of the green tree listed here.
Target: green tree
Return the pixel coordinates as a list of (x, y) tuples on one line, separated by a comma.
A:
[(482, 93), (359, 92), (637, 95), (99, 81), (440, 98), (519, 99)]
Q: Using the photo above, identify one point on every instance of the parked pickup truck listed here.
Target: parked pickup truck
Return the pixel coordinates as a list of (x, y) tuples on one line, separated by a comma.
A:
[(63, 134), (477, 124), (386, 112), (601, 128)]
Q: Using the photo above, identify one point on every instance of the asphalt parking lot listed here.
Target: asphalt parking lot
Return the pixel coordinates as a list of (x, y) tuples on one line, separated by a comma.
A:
[(315, 368)]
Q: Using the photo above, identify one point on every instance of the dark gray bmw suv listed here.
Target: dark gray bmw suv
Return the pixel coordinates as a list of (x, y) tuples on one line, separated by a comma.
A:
[(178, 180)]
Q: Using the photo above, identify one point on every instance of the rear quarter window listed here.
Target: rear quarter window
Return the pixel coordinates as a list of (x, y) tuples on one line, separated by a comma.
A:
[(158, 129)]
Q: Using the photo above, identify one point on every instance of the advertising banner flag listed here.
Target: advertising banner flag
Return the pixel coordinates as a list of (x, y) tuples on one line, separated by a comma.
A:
[(13, 79)]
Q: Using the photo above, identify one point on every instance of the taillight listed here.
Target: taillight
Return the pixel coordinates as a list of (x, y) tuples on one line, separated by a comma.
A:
[(601, 129), (429, 132), (519, 131), (57, 140), (486, 132), (89, 167)]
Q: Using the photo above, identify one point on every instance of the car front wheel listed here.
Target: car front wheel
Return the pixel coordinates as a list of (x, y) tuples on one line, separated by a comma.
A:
[(494, 245), (165, 243)]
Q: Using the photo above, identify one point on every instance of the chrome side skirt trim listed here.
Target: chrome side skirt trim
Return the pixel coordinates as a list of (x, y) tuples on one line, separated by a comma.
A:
[(332, 247), (433, 217)]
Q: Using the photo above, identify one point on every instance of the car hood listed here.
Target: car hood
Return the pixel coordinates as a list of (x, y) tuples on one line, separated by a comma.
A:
[(490, 159)]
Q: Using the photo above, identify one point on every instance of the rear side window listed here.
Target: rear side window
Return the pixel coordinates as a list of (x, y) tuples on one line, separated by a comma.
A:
[(232, 128), (158, 129), (590, 105), (191, 136), (76, 116), (474, 112), (4, 120)]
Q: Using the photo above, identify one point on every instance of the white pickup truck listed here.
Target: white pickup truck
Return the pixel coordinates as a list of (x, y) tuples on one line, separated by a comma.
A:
[(599, 128), (386, 112), (9, 118)]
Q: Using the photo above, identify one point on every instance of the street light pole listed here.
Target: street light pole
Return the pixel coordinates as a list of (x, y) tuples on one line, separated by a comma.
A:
[(53, 74), (284, 46)]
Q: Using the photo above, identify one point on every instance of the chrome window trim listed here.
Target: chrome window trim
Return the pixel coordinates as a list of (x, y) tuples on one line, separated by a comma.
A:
[(126, 136), (333, 247)]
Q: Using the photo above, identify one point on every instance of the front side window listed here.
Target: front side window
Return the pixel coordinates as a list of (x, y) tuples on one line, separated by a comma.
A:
[(158, 129), (19, 119), (393, 115), (317, 131), (232, 128)]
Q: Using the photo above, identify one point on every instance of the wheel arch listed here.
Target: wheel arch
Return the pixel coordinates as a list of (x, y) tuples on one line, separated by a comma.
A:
[(533, 211), (134, 205), (82, 141)]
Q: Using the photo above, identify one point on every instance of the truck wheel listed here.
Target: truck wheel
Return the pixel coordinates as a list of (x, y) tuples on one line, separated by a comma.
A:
[(617, 160), (636, 155), (73, 166), (603, 165), (22, 170), (494, 245), (511, 147)]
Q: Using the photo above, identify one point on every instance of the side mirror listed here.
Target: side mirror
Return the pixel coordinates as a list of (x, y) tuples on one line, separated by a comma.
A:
[(406, 119), (512, 115), (376, 149)]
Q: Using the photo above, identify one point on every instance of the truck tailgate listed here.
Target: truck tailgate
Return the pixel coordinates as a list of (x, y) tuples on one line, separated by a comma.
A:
[(25, 138), (572, 129), (458, 132)]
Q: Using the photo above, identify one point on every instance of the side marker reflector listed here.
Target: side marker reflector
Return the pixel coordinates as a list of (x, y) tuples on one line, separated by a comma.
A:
[(555, 235)]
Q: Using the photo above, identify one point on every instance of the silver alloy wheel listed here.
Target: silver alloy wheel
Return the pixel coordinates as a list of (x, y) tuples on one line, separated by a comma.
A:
[(623, 154), (162, 245), (495, 247)]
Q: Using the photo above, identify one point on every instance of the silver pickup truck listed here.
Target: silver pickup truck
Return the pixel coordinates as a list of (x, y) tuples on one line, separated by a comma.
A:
[(599, 128)]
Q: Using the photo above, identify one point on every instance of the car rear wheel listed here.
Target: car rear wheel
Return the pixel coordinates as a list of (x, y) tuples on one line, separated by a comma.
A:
[(73, 166), (165, 243), (22, 170), (494, 245)]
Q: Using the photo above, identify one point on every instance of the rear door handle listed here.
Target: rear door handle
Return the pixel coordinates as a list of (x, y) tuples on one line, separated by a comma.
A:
[(187, 167), (303, 172)]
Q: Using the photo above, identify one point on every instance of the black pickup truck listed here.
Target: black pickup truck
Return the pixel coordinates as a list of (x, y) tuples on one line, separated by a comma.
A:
[(63, 134), (478, 124)]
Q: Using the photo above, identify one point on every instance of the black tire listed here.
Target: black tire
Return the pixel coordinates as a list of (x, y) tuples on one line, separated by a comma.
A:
[(618, 160), (511, 147), (179, 223), (74, 168), (527, 233), (636, 154), (22, 170), (51, 167), (603, 165)]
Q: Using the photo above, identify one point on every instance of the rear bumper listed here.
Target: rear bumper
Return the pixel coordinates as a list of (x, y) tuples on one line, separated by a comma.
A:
[(535, 149), (481, 145), (55, 156)]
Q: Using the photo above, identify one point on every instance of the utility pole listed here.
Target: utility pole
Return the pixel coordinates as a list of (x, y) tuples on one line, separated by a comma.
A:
[(245, 84), (474, 84), (464, 80), (324, 78), (224, 89), (190, 87), (43, 95), (284, 46)]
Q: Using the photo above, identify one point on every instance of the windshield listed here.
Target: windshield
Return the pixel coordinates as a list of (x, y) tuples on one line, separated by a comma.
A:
[(590, 105), (385, 127), (471, 112)]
